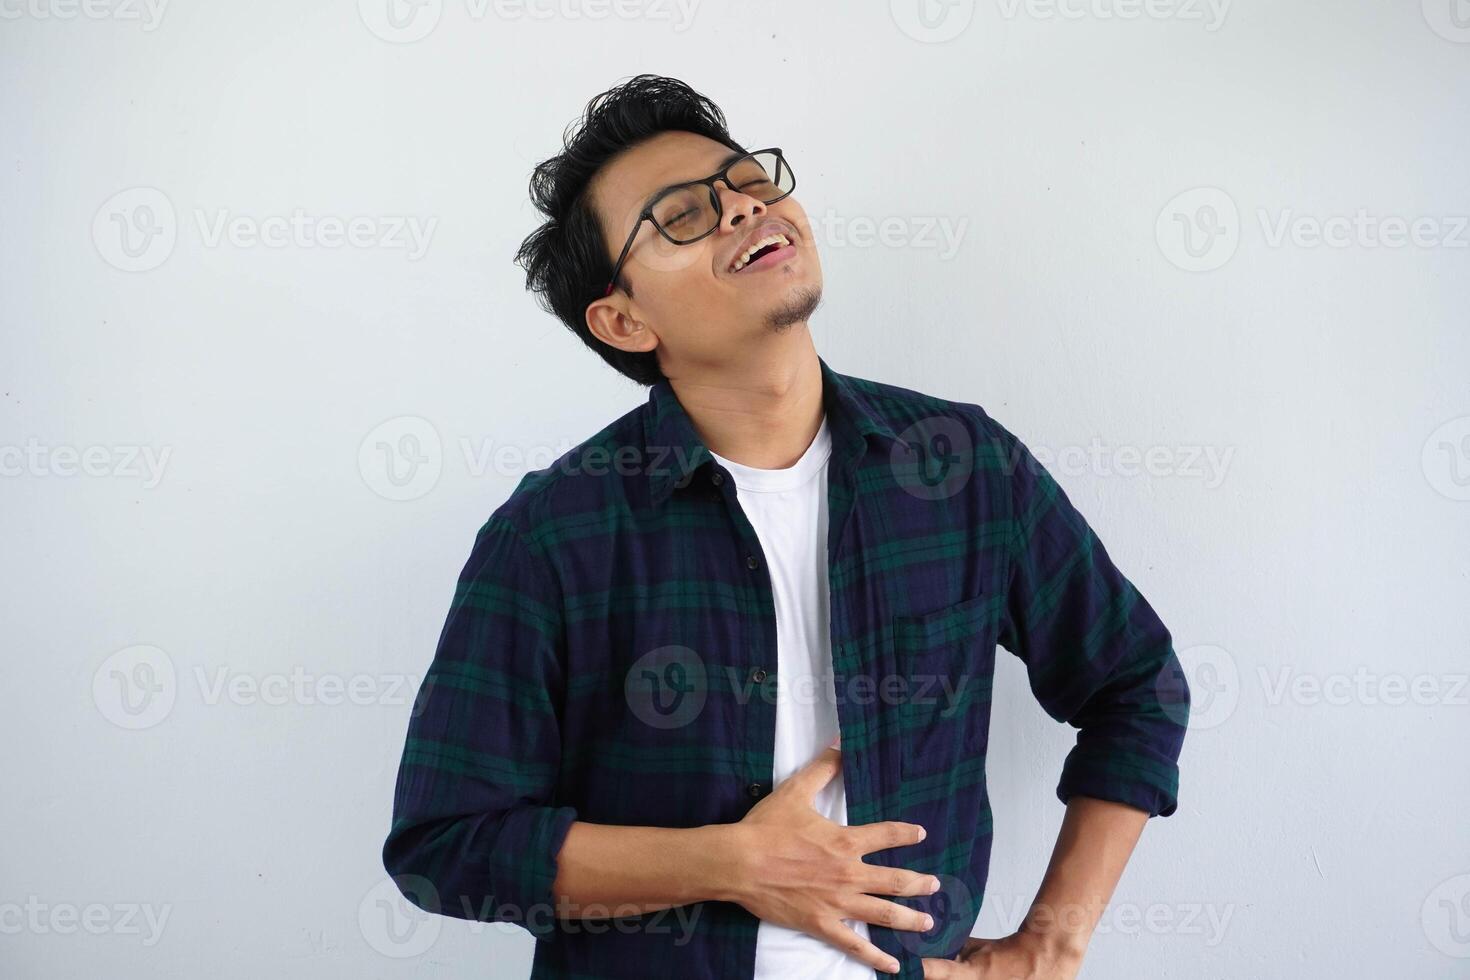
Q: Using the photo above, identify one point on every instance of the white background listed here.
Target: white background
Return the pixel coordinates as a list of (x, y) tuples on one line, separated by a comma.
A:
[(1312, 577)]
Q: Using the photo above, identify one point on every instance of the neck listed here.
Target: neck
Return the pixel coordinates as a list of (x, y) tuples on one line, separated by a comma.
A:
[(762, 413)]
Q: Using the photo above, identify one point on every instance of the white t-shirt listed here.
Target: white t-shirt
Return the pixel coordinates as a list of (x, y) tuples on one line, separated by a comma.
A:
[(788, 509)]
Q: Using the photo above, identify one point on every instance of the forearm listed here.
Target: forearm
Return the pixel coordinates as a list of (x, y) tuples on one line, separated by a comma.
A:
[(615, 871), (1092, 849)]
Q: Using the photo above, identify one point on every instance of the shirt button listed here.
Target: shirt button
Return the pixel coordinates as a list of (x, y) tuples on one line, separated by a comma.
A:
[(718, 478), (755, 790), (751, 561), (758, 675)]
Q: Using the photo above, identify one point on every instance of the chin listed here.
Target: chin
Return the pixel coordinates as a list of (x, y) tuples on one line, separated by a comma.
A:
[(797, 306)]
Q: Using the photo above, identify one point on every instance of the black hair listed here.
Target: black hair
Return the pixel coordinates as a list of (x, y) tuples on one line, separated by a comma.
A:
[(566, 260)]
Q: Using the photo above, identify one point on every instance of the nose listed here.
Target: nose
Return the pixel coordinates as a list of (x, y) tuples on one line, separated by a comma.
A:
[(736, 208)]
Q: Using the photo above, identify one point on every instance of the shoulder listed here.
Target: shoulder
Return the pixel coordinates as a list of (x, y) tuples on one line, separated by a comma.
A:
[(908, 412), (589, 476)]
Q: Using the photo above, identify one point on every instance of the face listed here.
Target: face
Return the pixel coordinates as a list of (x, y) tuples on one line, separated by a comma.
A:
[(689, 301)]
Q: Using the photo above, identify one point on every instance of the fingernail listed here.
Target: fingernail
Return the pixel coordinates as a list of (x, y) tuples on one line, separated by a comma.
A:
[(893, 966), (928, 922), (923, 833), (933, 885), (835, 742)]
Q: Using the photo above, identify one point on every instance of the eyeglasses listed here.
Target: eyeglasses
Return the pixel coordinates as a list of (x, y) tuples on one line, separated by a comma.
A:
[(687, 212)]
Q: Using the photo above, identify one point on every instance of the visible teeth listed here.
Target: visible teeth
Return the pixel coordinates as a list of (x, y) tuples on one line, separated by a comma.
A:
[(777, 238)]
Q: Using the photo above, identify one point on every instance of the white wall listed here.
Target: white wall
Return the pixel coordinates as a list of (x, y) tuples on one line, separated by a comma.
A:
[(1319, 834)]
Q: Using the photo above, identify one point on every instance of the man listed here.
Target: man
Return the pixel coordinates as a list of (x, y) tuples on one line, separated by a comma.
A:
[(624, 742)]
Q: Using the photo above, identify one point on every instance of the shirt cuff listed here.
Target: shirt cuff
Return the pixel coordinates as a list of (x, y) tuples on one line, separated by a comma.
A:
[(1121, 775)]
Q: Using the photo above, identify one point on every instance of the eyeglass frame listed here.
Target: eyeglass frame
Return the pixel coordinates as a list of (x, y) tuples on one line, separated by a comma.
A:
[(722, 174)]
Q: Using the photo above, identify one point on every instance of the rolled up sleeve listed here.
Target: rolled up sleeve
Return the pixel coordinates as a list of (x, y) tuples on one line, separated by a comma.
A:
[(1096, 654), (475, 831)]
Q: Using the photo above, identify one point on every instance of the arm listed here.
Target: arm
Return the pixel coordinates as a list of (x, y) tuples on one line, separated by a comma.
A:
[(1098, 658), (784, 862), (1097, 655), (477, 832), (1093, 847)]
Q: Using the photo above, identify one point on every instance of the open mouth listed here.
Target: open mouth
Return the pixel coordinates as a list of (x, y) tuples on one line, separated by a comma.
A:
[(770, 250)]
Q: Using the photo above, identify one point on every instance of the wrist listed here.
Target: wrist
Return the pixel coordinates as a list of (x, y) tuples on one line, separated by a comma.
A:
[(1053, 944), (719, 852)]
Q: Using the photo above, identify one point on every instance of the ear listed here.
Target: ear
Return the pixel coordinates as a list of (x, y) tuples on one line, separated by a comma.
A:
[(611, 320)]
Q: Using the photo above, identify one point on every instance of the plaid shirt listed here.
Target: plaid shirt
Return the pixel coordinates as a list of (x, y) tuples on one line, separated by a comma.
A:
[(610, 656)]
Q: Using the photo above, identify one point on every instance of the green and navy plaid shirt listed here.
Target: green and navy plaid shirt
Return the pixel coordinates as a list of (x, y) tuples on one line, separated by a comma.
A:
[(610, 656)]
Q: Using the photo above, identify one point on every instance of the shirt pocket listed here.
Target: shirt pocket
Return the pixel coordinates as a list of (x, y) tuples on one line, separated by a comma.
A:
[(946, 664)]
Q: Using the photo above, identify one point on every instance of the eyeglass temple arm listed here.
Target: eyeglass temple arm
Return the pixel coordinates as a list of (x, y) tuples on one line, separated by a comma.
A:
[(617, 267)]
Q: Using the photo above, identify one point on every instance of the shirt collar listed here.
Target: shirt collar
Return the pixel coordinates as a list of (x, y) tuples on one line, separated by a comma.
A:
[(675, 452)]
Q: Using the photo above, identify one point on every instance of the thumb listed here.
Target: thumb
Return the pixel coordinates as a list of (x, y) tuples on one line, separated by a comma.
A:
[(810, 778)]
